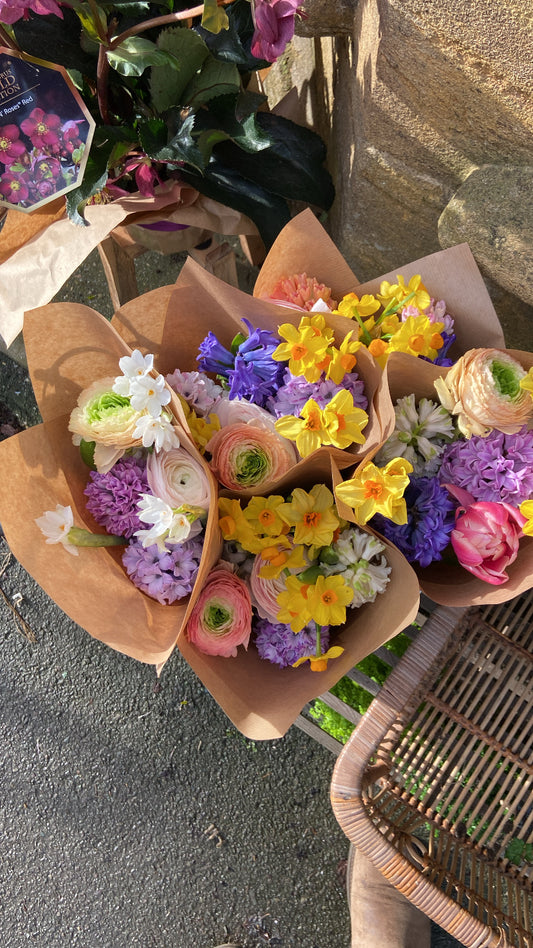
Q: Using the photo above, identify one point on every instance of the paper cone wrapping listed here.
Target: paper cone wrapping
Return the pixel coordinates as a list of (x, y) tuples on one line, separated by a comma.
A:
[(68, 347), (262, 700), (40, 251), (446, 583), (451, 275), (201, 303)]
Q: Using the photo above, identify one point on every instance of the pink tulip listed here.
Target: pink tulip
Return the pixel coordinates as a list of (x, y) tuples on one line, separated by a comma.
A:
[(221, 619), (486, 536)]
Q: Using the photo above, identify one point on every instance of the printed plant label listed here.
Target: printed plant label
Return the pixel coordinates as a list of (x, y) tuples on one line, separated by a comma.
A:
[(45, 132)]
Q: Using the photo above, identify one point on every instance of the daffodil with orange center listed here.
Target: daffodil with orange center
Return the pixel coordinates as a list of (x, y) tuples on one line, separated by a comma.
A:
[(281, 555), (262, 514), (327, 600), (320, 663), (235, 526), (302, 349), (343, 360), (378, 490), (344, 421), (379, 349), (317, 322), (307, 429), (415, 293), (351, 307), (312, 515), (418, 336), (292, 602), (526, 509)]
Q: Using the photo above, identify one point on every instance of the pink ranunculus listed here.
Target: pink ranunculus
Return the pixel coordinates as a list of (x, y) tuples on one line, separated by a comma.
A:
[(265, 591), (221, 619), (233, 411), (486, 536), (249, 456), (274, 27), (178, 478)]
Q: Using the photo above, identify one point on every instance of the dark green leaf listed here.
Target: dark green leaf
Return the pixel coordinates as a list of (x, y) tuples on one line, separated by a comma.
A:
[(233, 44), (153, 136), (268, 211), (215, 78), (60, 36), (514, 851), (221, 114), (207, 140), (189, 52), (291, 166), (136, 54), (528, 852), (248, 103), (94, 180), (181, 146)]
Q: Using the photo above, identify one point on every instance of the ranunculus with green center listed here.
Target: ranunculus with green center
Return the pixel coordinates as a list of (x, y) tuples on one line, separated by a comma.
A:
[(484, 390), (221, 619), (106, 418), (247, 456)]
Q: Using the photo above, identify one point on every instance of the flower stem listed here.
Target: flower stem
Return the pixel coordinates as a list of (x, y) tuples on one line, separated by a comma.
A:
[(162, 21), (80, 537), (318, 640)]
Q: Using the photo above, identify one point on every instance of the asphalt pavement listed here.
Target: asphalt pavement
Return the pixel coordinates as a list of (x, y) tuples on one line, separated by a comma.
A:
[(132, 813)]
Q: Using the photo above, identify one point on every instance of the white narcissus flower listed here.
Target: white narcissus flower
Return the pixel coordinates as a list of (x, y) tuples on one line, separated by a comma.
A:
[(149, 394), (168, 525), (362, 564), (157, 432), (420, 434), (133, 367), (56, 525)]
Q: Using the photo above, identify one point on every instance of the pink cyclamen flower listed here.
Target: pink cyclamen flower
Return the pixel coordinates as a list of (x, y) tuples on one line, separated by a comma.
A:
[(274, 27), (11, 149), (15, 187), (42, 128), (486, 536), (221, 619), (13, 10)]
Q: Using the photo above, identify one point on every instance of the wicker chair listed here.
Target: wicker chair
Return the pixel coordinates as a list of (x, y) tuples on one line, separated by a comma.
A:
[(435, 784)]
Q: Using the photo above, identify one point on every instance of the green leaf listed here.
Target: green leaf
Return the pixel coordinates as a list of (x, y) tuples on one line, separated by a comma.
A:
[(189, 52), (179, 147), (60, 36), (92, 18), (514, 851), (221, 114), (153, 136), (214, 18), (268, 211), (135, 54), (528, 852), (233, 45), (207, 140), (215, 78), (96, 170)]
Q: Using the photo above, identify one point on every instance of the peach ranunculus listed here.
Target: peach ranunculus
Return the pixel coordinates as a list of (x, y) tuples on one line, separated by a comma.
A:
[(249, 456), (221, 619), (178, 479), (483, 390), (486, 536), (107, 419)]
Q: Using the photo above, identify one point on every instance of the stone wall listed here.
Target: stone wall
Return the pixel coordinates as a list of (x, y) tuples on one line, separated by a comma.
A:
[(414, 96)]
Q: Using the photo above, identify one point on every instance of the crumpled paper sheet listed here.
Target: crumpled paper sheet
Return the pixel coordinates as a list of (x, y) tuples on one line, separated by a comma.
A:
[(40, 251)]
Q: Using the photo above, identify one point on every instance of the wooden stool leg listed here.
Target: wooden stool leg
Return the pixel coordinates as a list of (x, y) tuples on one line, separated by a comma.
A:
[(218, 259), (119, 268)]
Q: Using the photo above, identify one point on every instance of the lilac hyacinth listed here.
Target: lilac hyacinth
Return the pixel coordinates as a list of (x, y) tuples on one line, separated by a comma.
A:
[(498, 468), (166, 576), (296, 390), (430, 520), (198, 390), (112, 497), (277, 643)]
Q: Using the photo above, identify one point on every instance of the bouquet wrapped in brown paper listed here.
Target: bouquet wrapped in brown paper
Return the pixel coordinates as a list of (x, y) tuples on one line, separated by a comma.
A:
[(406, 309), (69, 348), (464, 441), (40, 251)]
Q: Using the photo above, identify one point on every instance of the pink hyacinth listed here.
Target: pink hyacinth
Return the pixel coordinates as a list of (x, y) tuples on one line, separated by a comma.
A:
[(302, 292), (274, 27), (486, 536)]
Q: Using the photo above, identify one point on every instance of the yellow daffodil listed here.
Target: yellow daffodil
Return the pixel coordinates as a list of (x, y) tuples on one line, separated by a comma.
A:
[(527, 383), (312, 515), (302, 349), (379, 349), (319, 664), (342, 360), (352, 307), (414, 294), (418, 336), (280, 555), (317, 322), (262, 515), (235, 526), (343, 421), (389, 325), (526, 509), (327, 600), (378, 490), (292, 602), (307, 429)]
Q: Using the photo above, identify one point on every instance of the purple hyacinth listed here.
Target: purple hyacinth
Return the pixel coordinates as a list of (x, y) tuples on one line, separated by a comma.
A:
[(214, 357), (296, 390), (277, 643), (165, 576), (498, 468), (112, 497), (430, 520), (256, 375)]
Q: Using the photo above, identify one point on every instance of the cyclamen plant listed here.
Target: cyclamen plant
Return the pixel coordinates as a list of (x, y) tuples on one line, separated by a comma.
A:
[(169, 89)]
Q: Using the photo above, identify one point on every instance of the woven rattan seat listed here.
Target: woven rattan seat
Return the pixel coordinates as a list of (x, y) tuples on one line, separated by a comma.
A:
[(435, 785)]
